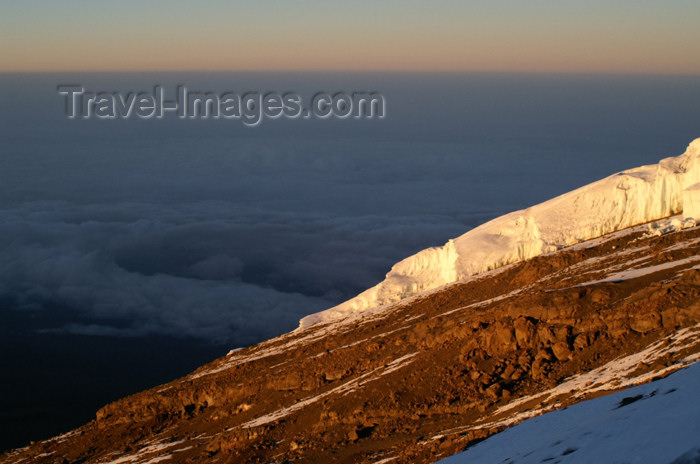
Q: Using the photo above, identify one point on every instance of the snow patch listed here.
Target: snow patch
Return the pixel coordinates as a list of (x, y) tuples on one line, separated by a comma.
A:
[(642, 271), (384, 461), (142, 455)]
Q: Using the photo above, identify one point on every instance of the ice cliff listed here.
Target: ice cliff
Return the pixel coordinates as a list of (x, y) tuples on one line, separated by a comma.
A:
[(625, 199)]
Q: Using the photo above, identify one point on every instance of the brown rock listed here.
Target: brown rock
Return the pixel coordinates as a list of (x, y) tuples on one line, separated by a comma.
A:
[(518, 374), (599, 295), (561, 351), (581, 341), (504, 340), (563, 333), (525, 332), (508, 372), (691, 277), (337, 374), (494, 392), (290, 381), (544, 355), (546, 335), (646, 322)]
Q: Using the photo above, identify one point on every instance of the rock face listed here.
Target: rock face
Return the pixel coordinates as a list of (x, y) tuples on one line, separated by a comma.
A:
[(623, 200), (426, 377)]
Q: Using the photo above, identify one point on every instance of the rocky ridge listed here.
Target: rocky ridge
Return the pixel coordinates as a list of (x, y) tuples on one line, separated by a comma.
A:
[(428, 376)]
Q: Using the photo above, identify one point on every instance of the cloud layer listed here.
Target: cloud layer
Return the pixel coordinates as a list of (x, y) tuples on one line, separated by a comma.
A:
[(206, 229), (157, 268)]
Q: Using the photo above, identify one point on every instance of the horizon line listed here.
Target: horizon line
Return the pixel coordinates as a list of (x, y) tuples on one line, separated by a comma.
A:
[(355, 71)]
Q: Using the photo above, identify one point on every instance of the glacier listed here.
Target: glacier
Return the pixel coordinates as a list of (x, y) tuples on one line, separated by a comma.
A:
[(628, 198)]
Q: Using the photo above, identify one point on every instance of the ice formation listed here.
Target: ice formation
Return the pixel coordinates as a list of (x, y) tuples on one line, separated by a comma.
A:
[(625, 199), (691, 202)]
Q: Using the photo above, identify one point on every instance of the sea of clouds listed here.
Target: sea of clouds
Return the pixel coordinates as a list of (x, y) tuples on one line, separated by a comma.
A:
[(231, 234)]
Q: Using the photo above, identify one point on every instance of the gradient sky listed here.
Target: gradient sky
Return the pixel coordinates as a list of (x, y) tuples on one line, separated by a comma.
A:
[(629, 36)]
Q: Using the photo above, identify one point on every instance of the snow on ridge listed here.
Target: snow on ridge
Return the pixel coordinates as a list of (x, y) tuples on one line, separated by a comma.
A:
[(623, 200), (341, 389), (651, 423)]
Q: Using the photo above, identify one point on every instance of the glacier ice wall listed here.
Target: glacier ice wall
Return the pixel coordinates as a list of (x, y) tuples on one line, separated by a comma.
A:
[(625, 199), (691, 202)]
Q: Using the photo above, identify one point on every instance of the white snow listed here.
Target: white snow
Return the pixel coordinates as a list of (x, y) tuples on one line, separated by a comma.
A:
[(635, 273), (671, 225), (633, 197), (144, 455), (399, 363), (384, 461), (652, 423)]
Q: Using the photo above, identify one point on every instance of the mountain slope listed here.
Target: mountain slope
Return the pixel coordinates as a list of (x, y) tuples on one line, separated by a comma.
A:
[(429, 376)]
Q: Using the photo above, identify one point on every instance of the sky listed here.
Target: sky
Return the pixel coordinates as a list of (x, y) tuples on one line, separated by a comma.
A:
[(593, 36)]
